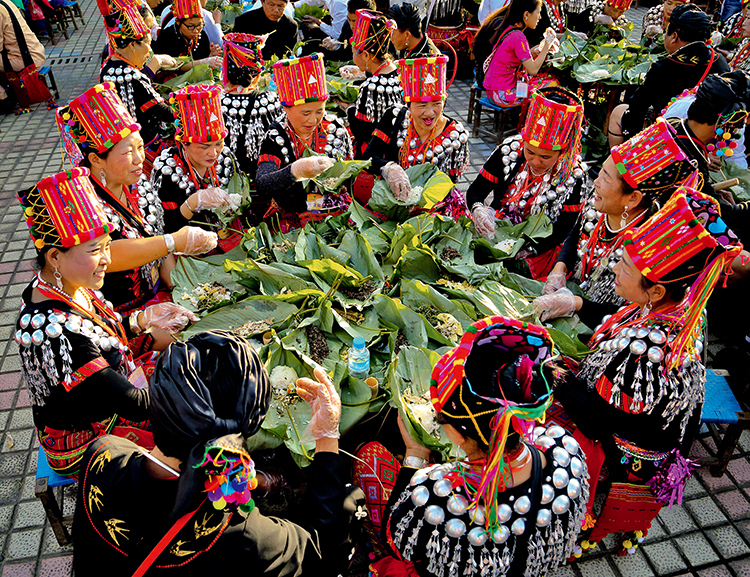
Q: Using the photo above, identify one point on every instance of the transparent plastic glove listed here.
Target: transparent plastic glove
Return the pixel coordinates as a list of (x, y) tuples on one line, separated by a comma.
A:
[(330, 44), (212, 198), (325, 404), (561, 303), (549, 35), (554, 46), (653, 30), (311, 166), (604, 19), (716, 38), (555, 281), (484, 221), (168, 317), (211, 61), (199, 241), (165, 61), (397, 180)]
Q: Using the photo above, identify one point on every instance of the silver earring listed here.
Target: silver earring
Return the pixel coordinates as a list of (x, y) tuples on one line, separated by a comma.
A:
[(624, 218), (58, 278), (102, 177), (646, 309)]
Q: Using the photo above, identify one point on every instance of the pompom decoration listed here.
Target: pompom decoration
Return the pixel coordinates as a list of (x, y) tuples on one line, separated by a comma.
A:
[(230, 477)]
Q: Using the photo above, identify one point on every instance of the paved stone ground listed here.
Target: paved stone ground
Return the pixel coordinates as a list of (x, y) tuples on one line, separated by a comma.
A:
[(708, 536)]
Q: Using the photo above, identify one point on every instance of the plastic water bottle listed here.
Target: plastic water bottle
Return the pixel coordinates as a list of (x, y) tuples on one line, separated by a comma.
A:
[(359, 359)]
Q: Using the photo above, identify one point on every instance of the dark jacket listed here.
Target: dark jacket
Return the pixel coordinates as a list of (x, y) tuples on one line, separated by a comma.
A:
[(283, 34)]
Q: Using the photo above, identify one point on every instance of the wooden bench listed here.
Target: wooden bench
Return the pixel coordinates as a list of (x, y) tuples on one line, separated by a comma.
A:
[(722, 408), (47, 484)]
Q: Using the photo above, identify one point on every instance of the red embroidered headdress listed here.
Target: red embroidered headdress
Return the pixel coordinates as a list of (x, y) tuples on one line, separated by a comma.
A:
[(301, 80), (197, 111), (423, 78)]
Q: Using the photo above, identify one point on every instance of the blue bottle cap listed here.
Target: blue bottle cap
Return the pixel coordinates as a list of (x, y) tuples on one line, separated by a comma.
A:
[(358, 342)]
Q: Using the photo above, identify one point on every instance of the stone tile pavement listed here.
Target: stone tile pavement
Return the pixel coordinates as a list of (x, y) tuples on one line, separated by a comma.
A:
[(708, 536)]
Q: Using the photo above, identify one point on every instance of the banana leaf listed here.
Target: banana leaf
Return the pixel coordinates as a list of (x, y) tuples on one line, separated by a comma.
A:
[(343, 172), (362, 256), (308, 10), (344, 91), (416, 294), (415, 328), (435, 187), (269, 279), (238, 184), (263, 245), (233, 316), (190, 271), (509, 238), (198, 74), (731, 170), (412, 370), (310, 246)]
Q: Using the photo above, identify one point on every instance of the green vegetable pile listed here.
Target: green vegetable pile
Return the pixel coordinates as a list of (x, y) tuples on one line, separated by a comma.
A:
[(394, 283)]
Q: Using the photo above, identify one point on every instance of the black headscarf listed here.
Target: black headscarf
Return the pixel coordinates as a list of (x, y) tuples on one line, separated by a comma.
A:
[(719, 96), (212, 386), (691, 23)]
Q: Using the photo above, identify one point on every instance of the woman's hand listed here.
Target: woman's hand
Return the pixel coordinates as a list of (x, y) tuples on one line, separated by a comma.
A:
[(192, 240), (325, 404), (165, 61), (413, 448), (209, 198), (169, 317), (561, 303), (555, 279), (311, 166), (215, 50), (484, 221), (397, 179), (653, 30)]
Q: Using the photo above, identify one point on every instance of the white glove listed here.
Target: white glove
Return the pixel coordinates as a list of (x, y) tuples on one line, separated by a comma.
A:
[(330, 44), (561, 303), (549, 35), (168, 317), (311, 166), (165, 61), (397, 179), (211, 61), (325, 404), (555, 281), (484, 221), (199, 241), (212, 197), (604, 19)]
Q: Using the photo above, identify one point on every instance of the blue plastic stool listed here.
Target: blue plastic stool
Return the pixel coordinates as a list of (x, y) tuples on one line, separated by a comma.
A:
[(45, 73), (46, 483), (721, 407)]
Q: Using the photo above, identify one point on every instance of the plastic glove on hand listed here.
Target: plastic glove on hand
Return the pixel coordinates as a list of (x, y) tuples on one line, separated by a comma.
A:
[(325, 404), (555, 281), (398, 180), (311, 166), (212, 197), (199, 241), (561, 303), (168, 317), (484, 221)]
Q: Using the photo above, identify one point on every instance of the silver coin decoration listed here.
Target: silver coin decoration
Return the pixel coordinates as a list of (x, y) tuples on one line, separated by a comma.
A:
[(438, 473), (543, 517), (457, 504), (419, 477), (420, 495), (574, 489), (455, 528), (545, 442), (555, 431), (561, 504), (477, 536), (501, 534), (504, 513), (576, 466), (522, 505), (560, 478), (442, 488), (570, 444), (434, 515), (561, 456), (518, 527), (477, 515), (548, 493)]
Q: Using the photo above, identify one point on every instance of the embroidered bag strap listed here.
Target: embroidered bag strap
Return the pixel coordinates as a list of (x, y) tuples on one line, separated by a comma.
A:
[(162, 544), (20, 38), (488, 61)]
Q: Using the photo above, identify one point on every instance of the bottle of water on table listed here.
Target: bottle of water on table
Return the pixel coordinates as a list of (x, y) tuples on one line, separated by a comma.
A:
[(359, 359)]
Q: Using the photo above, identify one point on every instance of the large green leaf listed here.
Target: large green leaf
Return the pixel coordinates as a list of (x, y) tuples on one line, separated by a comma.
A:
[(269, 279), (231, 317), (343, 172), (190, 271), (435, 187), (309, 10), (342, 90), (509, 238), (411, 370)]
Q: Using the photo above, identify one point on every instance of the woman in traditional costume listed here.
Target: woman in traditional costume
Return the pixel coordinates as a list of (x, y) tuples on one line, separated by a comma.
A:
[(608, 13), (72, 345), (130, 43), (247, 112), (636, 179), (740, 59), (302, 144), (656, 19), (516, 502), (101, 135), (537, 172), (511, 62), (185, 36), (420, 132), (371, 41), (639, 394), (191, 177)]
